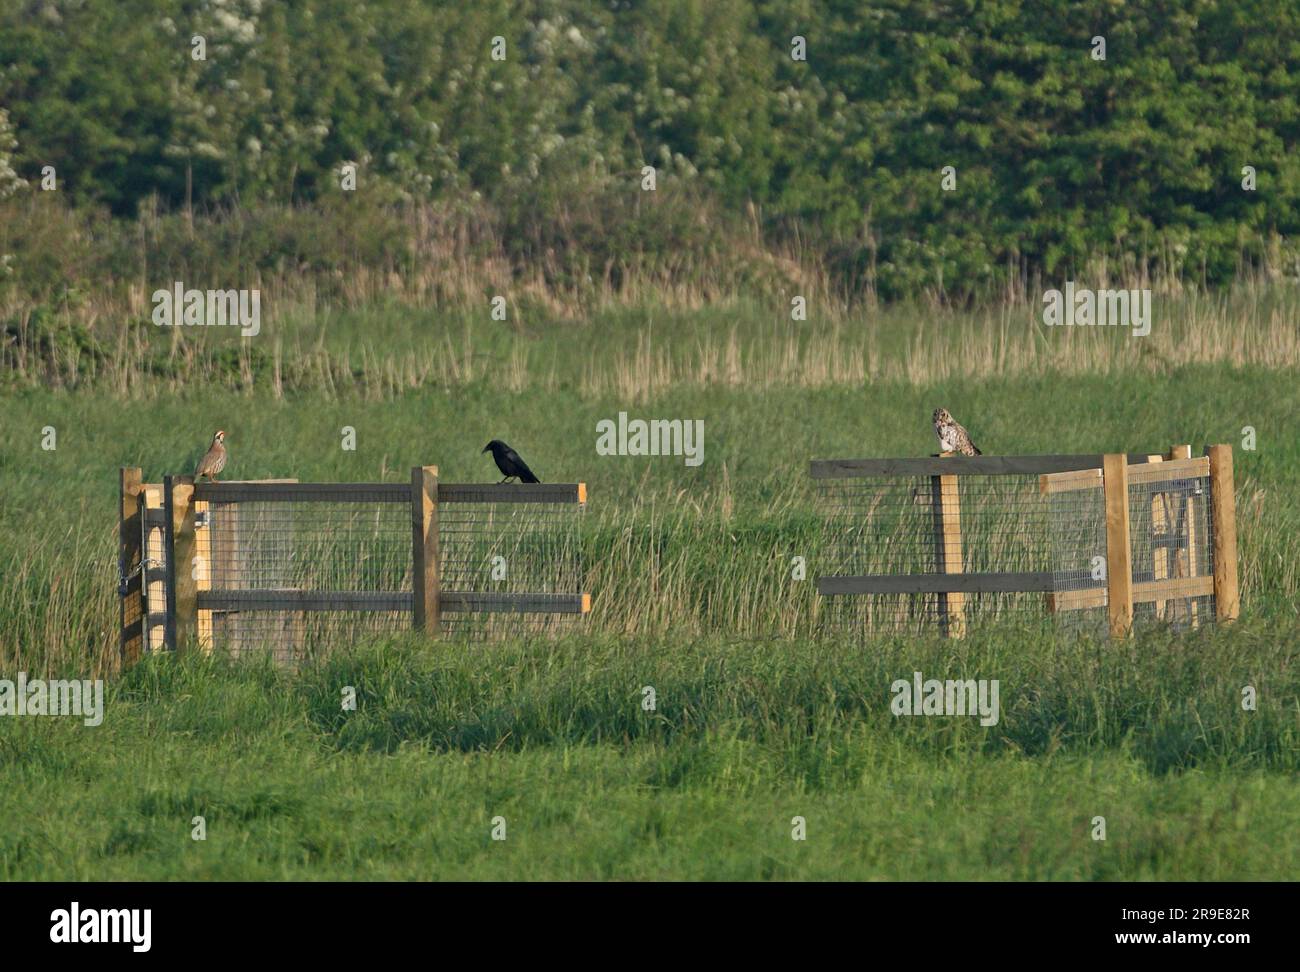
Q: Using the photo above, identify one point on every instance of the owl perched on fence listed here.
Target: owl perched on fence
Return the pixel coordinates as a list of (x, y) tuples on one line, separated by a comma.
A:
[(952, 437)]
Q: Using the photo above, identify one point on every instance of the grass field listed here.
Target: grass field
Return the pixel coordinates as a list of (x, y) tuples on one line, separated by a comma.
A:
[(757, 721), (746, 736)]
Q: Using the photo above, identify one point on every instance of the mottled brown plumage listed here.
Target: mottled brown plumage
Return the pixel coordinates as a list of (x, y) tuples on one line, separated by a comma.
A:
[(214, 460), (952, 437)]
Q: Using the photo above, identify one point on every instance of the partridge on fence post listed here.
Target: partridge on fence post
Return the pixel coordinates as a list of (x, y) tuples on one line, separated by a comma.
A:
[(214, 460)]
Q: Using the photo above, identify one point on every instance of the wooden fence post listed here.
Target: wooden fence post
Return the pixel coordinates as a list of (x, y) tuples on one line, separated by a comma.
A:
[(1169, 515), (946, 506), (1223, 521), (129, 538), (169, 562), (424, 548), (152, 579), (1166, 520), (203, 554), (183, 589), (1119, 567)]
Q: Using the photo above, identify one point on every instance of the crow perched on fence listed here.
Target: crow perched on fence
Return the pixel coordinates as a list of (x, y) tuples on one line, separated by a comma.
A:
[(508, 461)]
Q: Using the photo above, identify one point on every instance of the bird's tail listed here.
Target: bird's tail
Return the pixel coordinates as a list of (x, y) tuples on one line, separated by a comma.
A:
[(977, 451), (528, 478)]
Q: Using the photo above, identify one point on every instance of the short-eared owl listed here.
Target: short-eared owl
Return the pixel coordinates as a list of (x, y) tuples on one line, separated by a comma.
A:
[(952, 437)]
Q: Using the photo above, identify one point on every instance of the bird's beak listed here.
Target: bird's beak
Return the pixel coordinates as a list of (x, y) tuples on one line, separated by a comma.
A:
[(485, 449)]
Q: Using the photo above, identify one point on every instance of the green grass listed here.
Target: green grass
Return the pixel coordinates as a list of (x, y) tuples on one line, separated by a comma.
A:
[(719, 536), (757, 722), (745, 736)]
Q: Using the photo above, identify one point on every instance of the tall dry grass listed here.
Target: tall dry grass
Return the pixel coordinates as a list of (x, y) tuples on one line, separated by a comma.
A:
[(375, 301), (735, 344)]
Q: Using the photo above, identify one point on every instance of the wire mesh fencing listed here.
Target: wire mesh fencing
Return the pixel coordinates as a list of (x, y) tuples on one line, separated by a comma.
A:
[(514, 556), (1173, 555), (903, 545), (949, 543), (1077, 525), (286, 567), (921, 527), (290, 554)]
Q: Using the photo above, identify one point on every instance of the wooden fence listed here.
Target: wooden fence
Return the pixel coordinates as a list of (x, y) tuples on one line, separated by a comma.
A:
[(1163, 493), (179, 542)]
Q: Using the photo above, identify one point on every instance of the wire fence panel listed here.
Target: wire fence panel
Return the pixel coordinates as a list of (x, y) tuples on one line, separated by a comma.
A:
[(287, 548), (1076, 511), (876, 526), (296, 566), (1173, 557), (311, 546), (513, 549), (1003, 542), (928, 525)]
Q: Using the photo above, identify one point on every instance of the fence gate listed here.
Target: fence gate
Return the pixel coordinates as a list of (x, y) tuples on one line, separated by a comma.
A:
[(1165, 509), (282, 565), (1093, 540)]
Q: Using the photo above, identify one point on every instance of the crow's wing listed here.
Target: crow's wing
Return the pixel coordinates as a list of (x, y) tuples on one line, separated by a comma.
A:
[(520, 468)]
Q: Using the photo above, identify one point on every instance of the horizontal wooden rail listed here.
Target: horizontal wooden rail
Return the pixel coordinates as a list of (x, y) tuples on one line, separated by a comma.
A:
[(448, 601), (472, 601), (512, 492), (1170, 589), (1153, 472), (957, 466), (263, 492), (276, 600), (303, 492), (1159, 472), (1010, 583), (1028, 582), (1065, 482)]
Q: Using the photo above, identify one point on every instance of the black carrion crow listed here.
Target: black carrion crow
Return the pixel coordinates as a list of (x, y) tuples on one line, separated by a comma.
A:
[(508, 461)]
